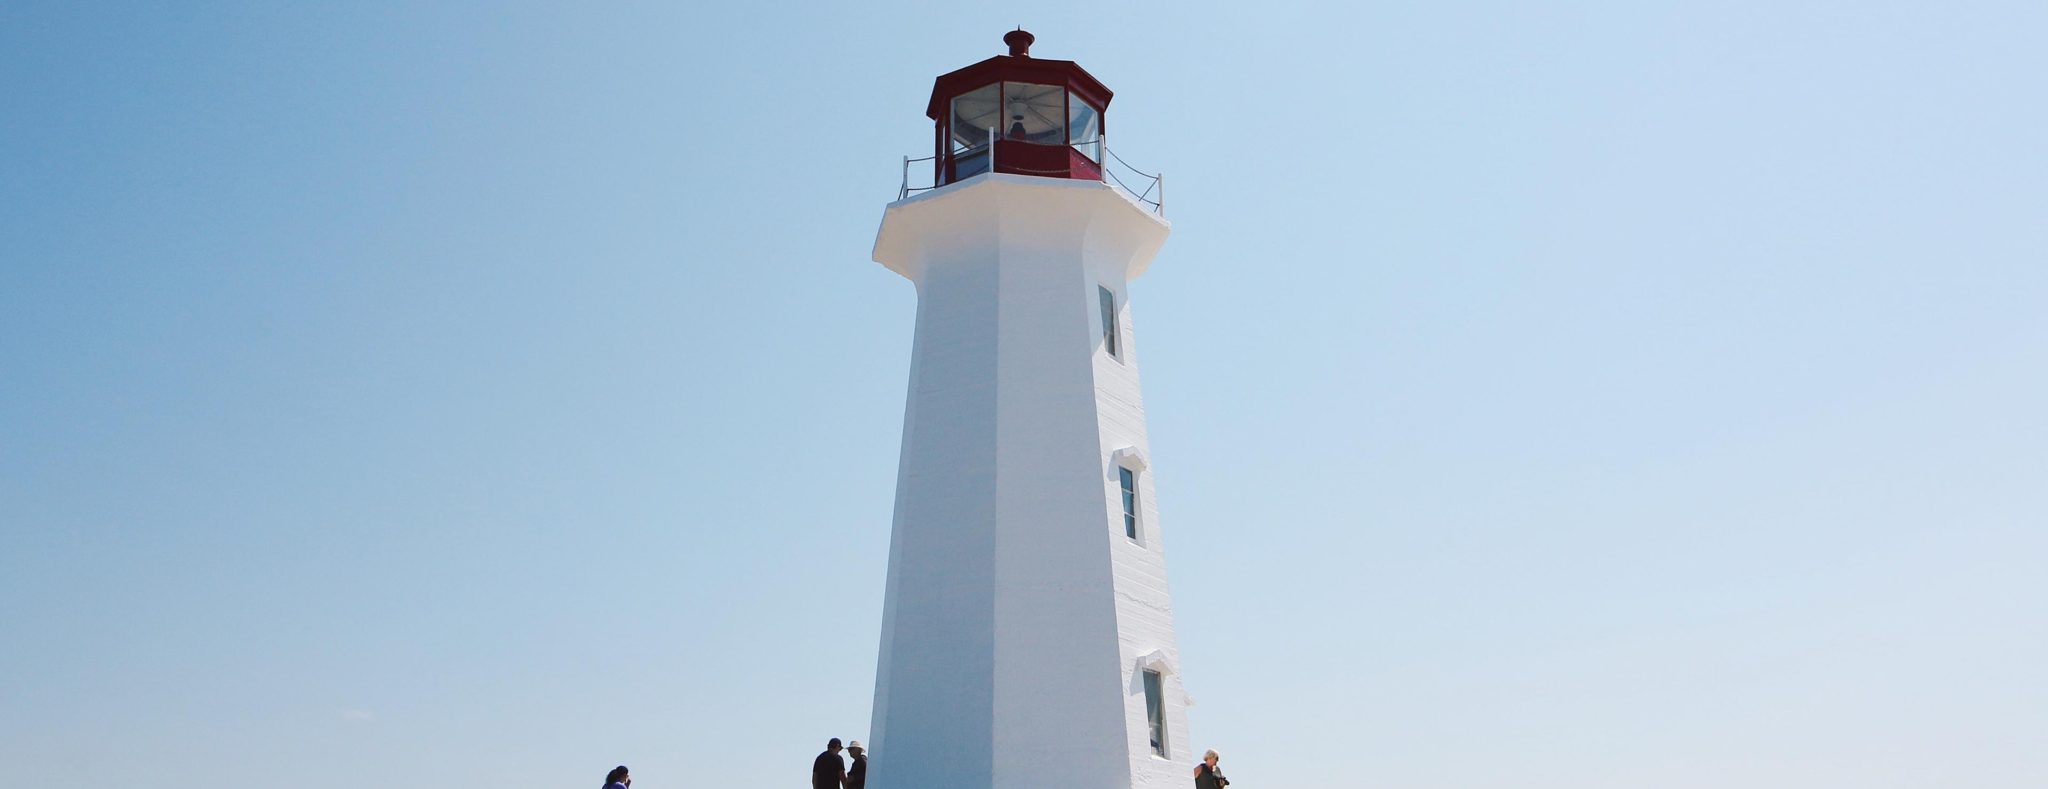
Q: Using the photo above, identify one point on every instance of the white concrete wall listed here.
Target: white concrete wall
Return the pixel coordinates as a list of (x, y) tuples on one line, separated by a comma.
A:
[(1016, 609), (1144, 607), (938, 640)]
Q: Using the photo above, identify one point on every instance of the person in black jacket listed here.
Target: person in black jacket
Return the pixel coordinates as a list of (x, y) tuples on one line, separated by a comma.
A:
[(857, 775), (1207, 774), (827, 771)]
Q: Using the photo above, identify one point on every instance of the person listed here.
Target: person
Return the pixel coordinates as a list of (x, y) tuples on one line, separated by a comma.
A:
[(1207, 774), (618, 778), (827, 771), (857, 775)]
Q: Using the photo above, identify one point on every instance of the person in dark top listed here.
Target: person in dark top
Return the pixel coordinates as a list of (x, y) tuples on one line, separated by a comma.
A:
[(618, 778), (1207, 775), (857, 775), (827, 771)]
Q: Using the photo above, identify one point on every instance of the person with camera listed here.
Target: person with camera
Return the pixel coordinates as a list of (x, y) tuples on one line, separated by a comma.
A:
[(1207, 774)]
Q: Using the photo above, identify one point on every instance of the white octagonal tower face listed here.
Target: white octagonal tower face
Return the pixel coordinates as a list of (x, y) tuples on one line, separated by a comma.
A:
[(1027, 630), (1027, 634)]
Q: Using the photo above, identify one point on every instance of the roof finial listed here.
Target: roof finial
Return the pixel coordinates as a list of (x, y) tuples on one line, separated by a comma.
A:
[(1020, 42)]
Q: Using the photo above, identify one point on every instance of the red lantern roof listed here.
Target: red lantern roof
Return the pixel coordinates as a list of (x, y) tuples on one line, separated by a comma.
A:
[(1020, 115), (1018, 66)]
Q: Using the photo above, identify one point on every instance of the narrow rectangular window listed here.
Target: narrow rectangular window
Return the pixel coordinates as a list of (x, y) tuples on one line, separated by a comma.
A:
[(1109, 333), (1155, 712), (1130, 484)]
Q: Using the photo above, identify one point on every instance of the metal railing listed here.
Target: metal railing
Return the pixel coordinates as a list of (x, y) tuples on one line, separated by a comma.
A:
[(906, 189), (1155, 183), (1153, 195)]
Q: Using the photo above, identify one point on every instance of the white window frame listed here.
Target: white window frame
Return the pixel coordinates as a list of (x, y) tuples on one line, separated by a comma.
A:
[(1132, 460), (1110, 308), (1153, 683), (1129, 505)]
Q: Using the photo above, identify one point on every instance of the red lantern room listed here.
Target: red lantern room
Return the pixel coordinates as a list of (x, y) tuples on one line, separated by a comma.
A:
[(1018, 114)]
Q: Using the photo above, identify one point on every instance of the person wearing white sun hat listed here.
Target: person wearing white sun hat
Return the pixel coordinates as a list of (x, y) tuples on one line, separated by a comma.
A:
[(857, 775)]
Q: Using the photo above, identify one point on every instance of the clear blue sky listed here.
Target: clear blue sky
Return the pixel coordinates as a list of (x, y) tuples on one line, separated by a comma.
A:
[(480, 394)]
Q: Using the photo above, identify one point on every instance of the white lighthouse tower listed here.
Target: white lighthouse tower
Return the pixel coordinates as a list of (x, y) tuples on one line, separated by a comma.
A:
[(1027, 633)]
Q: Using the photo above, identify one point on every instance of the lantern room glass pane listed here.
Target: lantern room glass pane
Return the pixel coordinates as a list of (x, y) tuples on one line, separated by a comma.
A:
[(1084, 128), (1034, 113), (974, 114)]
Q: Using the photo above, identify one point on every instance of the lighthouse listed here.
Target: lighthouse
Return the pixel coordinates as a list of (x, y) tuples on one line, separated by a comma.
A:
[(1027, 631)]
